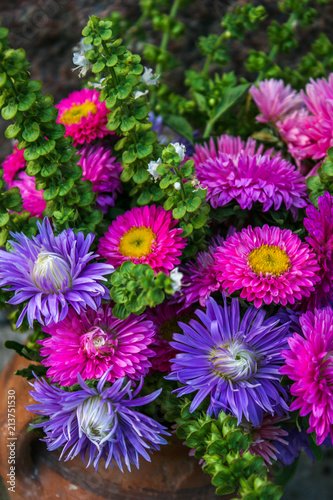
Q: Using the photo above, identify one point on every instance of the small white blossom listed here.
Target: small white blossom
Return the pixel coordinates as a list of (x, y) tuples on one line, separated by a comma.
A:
[(147, 77), (138, 93), (79, 58), (177, 186), (97, 85), (180, 149), (152, 168), (176, 279)]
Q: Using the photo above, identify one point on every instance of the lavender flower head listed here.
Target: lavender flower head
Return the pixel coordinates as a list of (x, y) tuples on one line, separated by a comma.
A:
[(234, 361), (51, 272), (97, 423)]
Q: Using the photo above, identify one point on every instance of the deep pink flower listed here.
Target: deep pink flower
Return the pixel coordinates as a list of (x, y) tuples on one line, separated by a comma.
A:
[(93, 342), (84, 116), (292, 133), (249, 179), (275, 100), (145, 235), (32, 200), (267, 264), (309, 362), (12, 164), (102, 169), (263, 435)]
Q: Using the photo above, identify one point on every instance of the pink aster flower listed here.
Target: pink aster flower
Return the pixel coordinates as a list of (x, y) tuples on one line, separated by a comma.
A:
[(32, 200), (275, 100), (267, 264), (249, 179), (227, 144), (309, 362), (145, 235), (291, 131), (102, 169), (263, 435), (84, 116), (319, 224), (13, 164), (93, 342), (165, 318)]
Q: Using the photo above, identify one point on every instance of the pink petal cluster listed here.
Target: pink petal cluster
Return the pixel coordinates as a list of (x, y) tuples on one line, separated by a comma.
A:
[(103, 170), (249, 179), (89, 127), (93, 342), (13, 164), (275, 100), (32, 200), (235, 272), (166, 246), (309, 363)]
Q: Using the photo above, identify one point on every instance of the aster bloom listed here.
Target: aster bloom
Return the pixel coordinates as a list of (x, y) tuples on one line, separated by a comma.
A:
[(234, 361), (248, 179), (290, 130), (98, 423), (309, 362), (275, 100), (200, 277), (50, 272), (319, 224), (13, 164), (102, 169), (263, 436), (84, 116), (165, 318), (267, 264), (32, 200), (94, 342), (145, 235), (152, 169)]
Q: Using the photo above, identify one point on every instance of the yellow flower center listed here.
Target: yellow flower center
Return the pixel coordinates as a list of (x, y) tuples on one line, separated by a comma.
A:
[(77, 112), (269, 259), (137, 242)]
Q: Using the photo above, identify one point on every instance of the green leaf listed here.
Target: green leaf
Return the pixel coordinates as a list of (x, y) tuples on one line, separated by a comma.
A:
[(327, 167), (98, 66), (66, 186), (199, 220), (141, 176), (4, 218), (28, 373), (180, 125), (111, 60), (119, 295), (127, 123), (111, 101), (230, 99), (31, 153), (51, 193), (3, 78), (33, 167), (143, 151), (144, 198), (26, 101), (9, 111), (120, 311), (201, 101), (12, 130), (193, 203), (49, 169), (123, 91), (23, 350), (129, 156), (31, 132), (179, 211), (314, 183)]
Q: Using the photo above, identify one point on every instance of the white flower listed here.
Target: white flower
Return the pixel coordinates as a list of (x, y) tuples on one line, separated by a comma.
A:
[(180, 149), (176, 279), (97, 85), (147, 77), (79, 58), (177, 186), (138, 93), (152, 168)]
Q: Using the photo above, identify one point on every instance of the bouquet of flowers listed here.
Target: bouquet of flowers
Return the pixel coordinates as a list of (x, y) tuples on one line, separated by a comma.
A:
[(172, 252)]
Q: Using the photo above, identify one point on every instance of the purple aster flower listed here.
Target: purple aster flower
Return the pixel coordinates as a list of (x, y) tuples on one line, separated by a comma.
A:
[(290, 449), (234, 361), (97, 423), (102, 169), (49, 272), (249, 179)]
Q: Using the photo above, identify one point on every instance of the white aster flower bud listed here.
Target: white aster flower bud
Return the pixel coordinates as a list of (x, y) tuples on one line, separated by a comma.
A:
[(79, 58), (138, 93), (152, 168), (180, 149), (176, 279), (177, 186), (147, 77)]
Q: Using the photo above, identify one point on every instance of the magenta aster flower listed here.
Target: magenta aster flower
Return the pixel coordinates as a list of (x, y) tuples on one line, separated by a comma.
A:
[(267, 264), (229, 145), (309, 362), (249, 179), (102, 169), (99, 423), (13, 164), (32, 200), (275, 100), (232, 360), (290, 130), (165, 318), (49, 272), (84, 116), (94, 342), (145, 235), (263, 435)]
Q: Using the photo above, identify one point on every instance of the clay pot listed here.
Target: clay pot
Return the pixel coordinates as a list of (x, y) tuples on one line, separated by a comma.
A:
[(171, 475)]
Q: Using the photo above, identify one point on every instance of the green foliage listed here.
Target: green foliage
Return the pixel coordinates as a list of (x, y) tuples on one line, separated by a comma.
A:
[(223, 446), (166, 407), (50, 157), (318, 184), (23, 350), (135, 286)]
